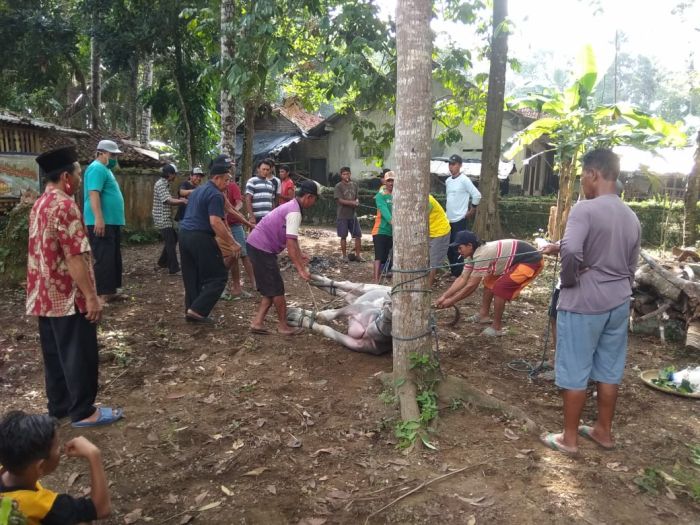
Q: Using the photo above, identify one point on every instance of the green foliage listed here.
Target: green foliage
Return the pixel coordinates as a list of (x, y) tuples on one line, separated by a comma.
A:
[(14, 238), (407, 432), (650, 481), (574, 122), (141, 236)]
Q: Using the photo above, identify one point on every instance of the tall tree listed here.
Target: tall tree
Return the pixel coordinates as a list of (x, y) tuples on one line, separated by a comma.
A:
[(411, 300), (690, 201), (228, 103), (95, 76), (146, 114), (488, 223)]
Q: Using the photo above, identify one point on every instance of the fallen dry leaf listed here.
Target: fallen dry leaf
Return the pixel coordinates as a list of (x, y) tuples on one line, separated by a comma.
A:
[(133, 516), (617, 467), (72, 478), (471, 520), (293, 442), (226, 490), (201, 497), (401, 462), (256, 471), (209, 506), (510, 434), (271, 489), (670, 494), (476, 502), (239, 443), (171, 499), (175, 395), (331, 451), (185, 519)]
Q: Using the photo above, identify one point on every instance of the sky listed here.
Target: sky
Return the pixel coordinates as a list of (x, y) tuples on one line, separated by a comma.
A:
[(565, 26)]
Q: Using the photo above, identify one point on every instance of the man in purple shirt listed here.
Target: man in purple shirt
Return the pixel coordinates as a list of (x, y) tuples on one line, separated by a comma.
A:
[(599, 254), (278, 230)]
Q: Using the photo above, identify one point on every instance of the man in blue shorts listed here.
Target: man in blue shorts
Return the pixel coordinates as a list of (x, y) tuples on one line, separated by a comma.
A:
[(599, 254), (346, 195)]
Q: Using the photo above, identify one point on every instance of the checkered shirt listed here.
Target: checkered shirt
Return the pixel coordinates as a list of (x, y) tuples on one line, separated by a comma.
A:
[(161, 208)]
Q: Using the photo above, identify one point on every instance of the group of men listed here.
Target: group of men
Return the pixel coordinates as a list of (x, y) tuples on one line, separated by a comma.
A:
[(74, 267)]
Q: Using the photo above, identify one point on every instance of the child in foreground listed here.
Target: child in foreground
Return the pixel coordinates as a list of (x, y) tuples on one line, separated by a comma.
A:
[(30, 450)]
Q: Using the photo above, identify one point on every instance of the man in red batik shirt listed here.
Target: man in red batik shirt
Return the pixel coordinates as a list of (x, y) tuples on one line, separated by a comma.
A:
[(61, 293)]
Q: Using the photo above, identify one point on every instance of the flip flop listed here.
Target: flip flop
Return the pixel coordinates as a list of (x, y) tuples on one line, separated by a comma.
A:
[(105, 416), (492, 332), (260, 331), (296, 331), (586, 431), (549, 440), (476, 318)]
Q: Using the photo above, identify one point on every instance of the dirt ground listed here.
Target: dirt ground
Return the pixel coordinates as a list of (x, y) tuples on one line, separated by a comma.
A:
[(226, 427)]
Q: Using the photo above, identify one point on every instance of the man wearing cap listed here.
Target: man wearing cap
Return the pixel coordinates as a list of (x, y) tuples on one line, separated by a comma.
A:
[(506, 267), (462, 200), (277, 231), (104, 217), (204, 271), (61, 293), (186, 188), (162, 200)]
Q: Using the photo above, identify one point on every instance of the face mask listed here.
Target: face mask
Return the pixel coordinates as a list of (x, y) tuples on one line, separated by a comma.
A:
[(111, 164)]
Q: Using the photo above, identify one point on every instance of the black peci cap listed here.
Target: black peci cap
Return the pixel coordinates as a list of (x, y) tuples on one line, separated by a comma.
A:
[(56, 159)]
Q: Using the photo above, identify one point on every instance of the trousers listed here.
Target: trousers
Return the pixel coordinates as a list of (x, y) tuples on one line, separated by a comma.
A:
[(168, 257), (107, 253), (452, 253), (69, 349), (203, 271)]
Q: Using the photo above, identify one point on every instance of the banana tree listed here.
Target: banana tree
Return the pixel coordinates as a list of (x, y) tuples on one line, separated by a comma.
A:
[(572, 123)]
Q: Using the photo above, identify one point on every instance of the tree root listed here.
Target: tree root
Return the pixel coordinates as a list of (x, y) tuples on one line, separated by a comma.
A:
[(452, 387)]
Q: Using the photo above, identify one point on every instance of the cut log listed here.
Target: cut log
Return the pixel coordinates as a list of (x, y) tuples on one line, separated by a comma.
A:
[(660, 274), (655, 313), (685, 254), (692, 336)]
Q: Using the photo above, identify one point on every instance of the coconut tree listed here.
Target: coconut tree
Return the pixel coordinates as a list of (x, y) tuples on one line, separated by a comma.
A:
[(572, 123)]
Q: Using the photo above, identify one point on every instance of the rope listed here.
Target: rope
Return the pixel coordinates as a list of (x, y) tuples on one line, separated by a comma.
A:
[(520, 365)]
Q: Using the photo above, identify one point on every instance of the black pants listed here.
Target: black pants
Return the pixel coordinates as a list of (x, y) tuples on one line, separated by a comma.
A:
[(203, 271), (168, 257), (452, 253), (107, 253), (69, 347)]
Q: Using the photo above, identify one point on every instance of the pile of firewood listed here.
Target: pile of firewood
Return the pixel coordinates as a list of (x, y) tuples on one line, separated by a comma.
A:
[(666, 298)]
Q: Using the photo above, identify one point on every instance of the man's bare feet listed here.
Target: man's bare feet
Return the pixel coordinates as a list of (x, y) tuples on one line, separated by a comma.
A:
[(289, 330)]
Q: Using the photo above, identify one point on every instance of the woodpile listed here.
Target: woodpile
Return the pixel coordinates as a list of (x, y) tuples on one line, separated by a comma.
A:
[(666, 298)]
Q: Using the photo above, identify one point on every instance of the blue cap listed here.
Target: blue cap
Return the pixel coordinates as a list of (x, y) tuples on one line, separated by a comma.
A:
[(465, 237)]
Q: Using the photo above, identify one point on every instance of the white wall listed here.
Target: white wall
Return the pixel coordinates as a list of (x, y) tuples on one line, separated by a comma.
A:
[(344, 151)]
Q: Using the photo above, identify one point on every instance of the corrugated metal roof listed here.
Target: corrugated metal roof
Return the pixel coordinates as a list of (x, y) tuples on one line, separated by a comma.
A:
[(266, 143), (20, 120)]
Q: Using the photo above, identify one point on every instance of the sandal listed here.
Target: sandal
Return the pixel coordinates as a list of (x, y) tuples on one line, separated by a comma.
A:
[(586, 431), (105, 416), (476, 318), (549, 440)]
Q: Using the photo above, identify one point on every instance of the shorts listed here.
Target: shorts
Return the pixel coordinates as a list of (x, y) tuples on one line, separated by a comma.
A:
[(552, 312), (591, 346), (345, 226), (509, 285), (438, 249), (239, 236), (268, 278), (382, 246)]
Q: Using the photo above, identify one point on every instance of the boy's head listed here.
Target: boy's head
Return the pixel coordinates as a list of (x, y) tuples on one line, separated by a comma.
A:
[(28, 441), (345, 174)]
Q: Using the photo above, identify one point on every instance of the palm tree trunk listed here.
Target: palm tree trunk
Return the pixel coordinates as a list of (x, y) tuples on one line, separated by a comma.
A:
[(133, 96), (96, 95), (488, 222), (146, 113), (690, 201), (251, 109), (411, 303), (228, 106)]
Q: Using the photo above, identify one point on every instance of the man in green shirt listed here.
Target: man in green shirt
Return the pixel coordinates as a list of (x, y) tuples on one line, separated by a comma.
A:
[(382, 234), (104, 217)]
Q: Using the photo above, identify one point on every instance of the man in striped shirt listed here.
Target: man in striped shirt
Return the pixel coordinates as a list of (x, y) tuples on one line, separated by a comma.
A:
[(506, 267), (260, 192)]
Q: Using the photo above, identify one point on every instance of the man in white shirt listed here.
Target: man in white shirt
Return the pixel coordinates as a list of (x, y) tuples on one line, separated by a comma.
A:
[(460, 191)]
